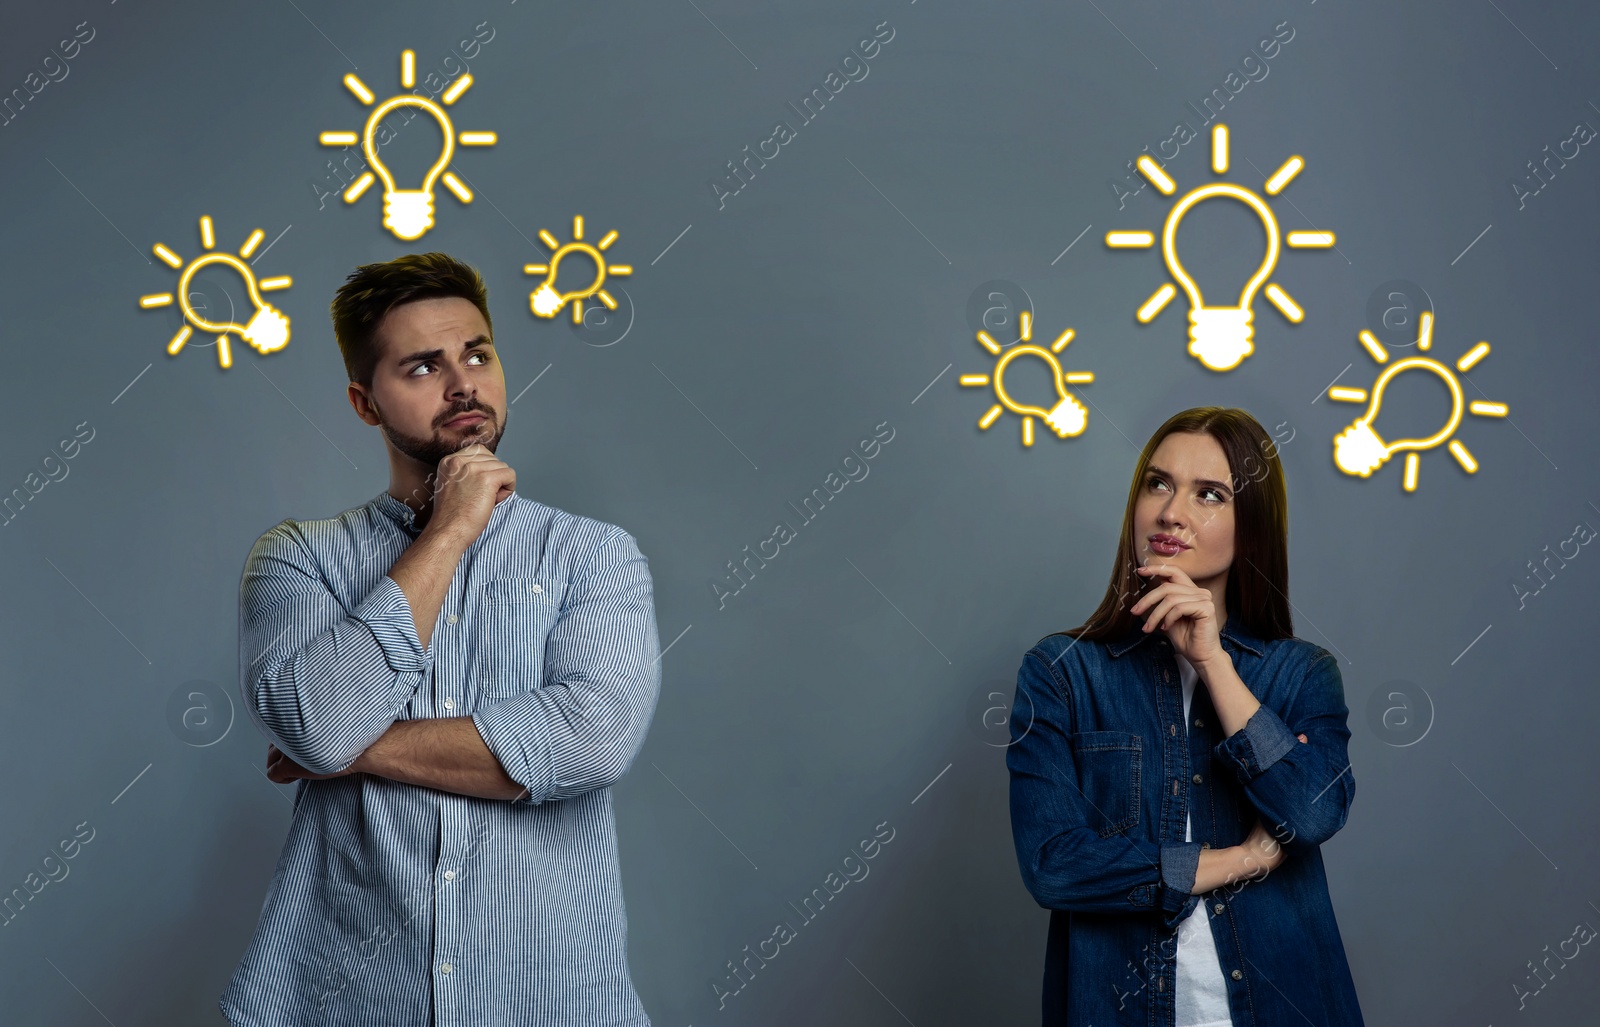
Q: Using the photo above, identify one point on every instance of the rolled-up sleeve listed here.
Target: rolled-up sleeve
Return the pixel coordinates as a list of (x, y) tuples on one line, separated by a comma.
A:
[(1302, 790), (582, 727), (1065, 863), (323, 682)]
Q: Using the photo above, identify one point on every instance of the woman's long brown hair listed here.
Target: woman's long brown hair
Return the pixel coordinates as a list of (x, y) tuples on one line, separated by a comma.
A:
[(1258, 580)]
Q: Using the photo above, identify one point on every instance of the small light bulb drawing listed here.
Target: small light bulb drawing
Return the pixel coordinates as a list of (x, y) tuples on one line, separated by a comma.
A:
[(408, 213), (1220, 337), (1359, 449), (546, 301), (268, 328), (1067, 418)]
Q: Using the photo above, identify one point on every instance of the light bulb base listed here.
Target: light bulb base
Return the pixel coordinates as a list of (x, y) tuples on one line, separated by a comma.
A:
[(1358, 450), (268, 330), (408, 213), (1067, 418), (1219, 337), (544, 301)]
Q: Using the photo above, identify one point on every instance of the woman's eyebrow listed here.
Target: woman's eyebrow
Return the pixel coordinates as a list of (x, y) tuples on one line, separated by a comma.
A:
[(1153, 469)]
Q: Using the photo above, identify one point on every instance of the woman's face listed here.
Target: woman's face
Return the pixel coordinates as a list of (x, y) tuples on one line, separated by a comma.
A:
[(1184, 513)]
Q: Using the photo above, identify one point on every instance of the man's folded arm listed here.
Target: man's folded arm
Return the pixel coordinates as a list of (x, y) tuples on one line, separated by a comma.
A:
[(581, 729), (323, 683)]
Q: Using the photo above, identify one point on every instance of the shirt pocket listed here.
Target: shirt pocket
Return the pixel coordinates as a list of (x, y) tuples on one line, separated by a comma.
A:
[(1109, 765), (515, 614)]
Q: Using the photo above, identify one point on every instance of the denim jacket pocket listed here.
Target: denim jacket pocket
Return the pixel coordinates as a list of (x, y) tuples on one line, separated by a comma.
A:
[(1109, 764), (515, 615)]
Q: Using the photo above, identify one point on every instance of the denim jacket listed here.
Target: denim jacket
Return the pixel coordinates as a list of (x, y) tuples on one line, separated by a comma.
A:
[(1103, 774)]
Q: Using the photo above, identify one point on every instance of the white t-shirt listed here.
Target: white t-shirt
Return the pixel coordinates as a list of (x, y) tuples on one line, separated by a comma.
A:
[(1200, 992)]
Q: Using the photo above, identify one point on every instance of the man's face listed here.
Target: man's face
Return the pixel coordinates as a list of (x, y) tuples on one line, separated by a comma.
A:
[(437, 363)]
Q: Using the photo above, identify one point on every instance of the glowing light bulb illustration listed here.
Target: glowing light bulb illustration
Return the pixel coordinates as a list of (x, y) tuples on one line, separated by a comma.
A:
[(1067, 418), (408, 213), (268, 328), (546, 301), (1220, 337), (1360, 450)]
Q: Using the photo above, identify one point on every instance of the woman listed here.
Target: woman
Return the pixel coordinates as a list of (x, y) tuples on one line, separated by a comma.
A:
[(1177, 761)]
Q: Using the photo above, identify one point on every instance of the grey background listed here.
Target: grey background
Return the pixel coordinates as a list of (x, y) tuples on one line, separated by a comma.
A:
[(834, 691)]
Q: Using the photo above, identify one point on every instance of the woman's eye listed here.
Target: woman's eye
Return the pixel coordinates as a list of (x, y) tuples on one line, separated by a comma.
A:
[(1213, 493)]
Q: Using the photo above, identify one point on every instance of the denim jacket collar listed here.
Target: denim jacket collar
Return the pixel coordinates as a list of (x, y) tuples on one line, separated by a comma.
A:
[(1234, 631)]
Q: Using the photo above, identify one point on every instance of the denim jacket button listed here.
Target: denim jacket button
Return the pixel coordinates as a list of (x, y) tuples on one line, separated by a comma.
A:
[(1238, 975), (1197, 779), (1219, 907)]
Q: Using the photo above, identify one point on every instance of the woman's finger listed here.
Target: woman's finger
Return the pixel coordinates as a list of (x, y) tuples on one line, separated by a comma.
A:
[(1151, 597), (1160, 592), (1167, 570), (1195, 608), (1178, 597)]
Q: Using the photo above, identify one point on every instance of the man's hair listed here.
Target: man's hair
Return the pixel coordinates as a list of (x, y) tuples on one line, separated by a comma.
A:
[(372, 290)]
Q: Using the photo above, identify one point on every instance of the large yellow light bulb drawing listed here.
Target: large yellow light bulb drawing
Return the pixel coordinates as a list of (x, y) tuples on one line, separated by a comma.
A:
[(546, 301), (408, 213), (1360, 450), (1220, 337), (268, 328), (1067, 417)]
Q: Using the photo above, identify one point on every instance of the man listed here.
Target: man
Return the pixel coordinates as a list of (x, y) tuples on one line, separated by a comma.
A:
[(455, 675)]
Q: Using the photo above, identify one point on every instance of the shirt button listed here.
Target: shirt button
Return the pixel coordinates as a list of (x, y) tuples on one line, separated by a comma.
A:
[(1219, 907), (1199, 723), (451, 619), (1238, 976), (444, 968), (450, 875), (449, 704), (1197, 779), (1205, 845), (536, 588)]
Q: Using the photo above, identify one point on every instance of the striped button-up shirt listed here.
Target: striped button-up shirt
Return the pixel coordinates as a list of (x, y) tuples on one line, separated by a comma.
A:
[(404, 906)]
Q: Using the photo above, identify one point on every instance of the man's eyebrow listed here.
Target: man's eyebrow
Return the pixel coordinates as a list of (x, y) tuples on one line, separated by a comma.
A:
[(435, 354), (1152, 468)]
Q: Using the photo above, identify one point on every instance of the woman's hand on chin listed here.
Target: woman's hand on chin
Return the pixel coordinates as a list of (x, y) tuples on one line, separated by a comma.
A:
[(1182, 609)]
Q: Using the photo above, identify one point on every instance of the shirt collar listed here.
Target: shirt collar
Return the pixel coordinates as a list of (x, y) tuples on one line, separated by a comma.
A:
[(398, 511), (1234, 631)]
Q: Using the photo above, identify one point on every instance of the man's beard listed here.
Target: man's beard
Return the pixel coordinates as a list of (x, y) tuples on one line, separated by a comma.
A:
[(429, 451)]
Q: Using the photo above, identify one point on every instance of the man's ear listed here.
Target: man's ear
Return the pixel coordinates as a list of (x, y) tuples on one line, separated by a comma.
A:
[(364, 405)]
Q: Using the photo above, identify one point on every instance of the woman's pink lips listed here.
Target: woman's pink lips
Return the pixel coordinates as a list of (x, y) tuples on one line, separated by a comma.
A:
[(1166, 545)]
